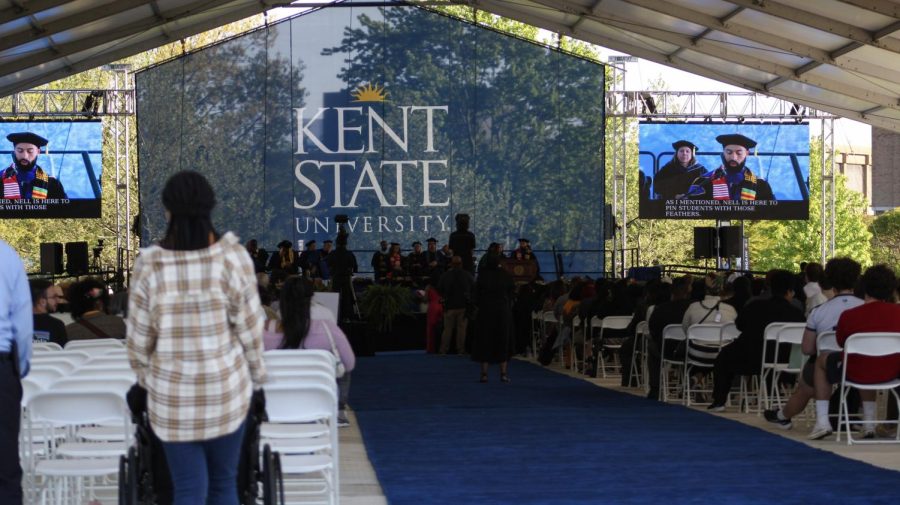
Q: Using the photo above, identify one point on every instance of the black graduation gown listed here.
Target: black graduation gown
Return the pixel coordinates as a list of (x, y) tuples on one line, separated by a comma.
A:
[(494, 290)]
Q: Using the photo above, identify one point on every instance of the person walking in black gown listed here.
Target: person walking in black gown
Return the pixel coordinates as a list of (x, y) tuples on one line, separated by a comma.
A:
[(494, 290)]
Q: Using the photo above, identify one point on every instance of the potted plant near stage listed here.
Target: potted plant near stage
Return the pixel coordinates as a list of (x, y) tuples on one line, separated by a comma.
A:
[(382, 304)]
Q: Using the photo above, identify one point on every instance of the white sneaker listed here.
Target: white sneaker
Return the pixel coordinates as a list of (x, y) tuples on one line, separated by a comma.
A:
[(820, 432)]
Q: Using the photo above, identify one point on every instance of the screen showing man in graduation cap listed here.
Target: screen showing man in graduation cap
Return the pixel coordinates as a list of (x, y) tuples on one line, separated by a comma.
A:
[(24, 178), (732, 180)]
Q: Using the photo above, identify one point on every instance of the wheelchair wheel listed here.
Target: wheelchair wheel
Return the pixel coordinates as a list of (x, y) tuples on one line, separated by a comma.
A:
[(123, 481), (273, 485)]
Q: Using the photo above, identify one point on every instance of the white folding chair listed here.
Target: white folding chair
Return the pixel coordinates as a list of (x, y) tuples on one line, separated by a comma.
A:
[(790, 335), (309, 403), (536, 337), (64, 365), (827, 341), (703, 344), (638, 365), (770, 335), (611, 323), (672, 337), (64, 478), (873, 345), (90, 343), (42, 347), (574, 326)]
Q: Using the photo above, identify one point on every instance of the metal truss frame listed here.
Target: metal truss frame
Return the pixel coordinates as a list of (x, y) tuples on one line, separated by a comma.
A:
[(117, 103), (699, 106)]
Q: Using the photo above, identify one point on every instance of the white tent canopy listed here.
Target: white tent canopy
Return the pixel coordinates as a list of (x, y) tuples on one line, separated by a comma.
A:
[(839, 56)]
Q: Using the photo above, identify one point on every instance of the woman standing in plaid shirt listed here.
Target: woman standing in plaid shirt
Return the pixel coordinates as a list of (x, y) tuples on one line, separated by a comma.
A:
[(195, 329)]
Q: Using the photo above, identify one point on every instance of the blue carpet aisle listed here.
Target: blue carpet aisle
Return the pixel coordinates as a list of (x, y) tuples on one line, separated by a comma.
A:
[(435, 435)]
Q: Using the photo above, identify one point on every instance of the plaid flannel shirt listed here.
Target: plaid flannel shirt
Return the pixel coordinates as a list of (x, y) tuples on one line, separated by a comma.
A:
[(195, 328)]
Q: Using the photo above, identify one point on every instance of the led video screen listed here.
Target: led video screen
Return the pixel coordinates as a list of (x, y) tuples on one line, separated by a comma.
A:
[(54, 169), (724, 171)]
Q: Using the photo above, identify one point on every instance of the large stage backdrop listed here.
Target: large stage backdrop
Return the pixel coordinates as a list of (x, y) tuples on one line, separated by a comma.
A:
[(398, 117)]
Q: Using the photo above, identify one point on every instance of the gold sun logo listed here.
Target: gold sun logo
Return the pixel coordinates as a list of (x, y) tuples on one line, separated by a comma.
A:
[(370, 93)]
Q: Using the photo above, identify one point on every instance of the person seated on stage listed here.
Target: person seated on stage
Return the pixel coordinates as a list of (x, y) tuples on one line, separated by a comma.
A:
[(380, 261), (744, 355), (44, 301), (675, 177), (89, 300), (416, 264), (285, 261), (435, 262), (395, 262), (878, 313), (493, 248), (842, 274), (259, 256), (445, 254), (24, 178), (310, 259)]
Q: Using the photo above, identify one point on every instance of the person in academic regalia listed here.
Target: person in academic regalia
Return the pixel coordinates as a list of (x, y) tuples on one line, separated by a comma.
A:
[(675, 177), (416, 266), (380, 261), (462, 243), (494, 290), (24, 178), (732, 180)]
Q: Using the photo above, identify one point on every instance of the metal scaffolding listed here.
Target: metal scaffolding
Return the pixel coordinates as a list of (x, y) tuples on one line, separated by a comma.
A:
[(692, 106), (117, 103)]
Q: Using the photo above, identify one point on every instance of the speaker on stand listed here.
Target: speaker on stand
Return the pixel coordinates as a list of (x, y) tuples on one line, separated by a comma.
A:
[(51, 258), (76, 258)]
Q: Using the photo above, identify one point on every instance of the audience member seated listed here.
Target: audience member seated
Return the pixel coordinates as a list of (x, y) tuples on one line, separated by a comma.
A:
[(664, 314), (740, 293), (89, 300), (654, 293), (879, 313), (841, 274), (813, 289), (308, 325), (711, 309), (44, 300), (744, 355)]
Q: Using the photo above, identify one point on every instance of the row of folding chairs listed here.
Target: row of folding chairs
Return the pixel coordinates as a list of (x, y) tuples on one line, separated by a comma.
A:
[(75, 421), (301, 402), (544, 322)]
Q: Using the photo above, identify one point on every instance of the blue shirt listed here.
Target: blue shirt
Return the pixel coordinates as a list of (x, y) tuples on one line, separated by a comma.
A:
[(16, 319)]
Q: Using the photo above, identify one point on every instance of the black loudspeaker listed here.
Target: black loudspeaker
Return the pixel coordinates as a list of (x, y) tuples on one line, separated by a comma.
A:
[(76, 258), (609, 222), (51, 258), (730, 242), (704, 242)]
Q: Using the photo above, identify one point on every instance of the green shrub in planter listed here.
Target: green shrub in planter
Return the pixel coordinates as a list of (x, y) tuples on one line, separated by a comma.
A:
[(381, 303)]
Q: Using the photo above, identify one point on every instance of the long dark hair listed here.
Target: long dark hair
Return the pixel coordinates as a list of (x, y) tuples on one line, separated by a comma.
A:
[(190, 199), (296, 296)]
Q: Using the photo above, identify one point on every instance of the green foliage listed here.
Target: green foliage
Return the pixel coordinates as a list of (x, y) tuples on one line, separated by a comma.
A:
[(381, 303), (885, 231), (784, 244)]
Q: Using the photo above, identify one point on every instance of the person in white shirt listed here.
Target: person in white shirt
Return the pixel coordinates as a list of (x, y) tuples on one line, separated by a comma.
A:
[(813, 289), (842, 274)]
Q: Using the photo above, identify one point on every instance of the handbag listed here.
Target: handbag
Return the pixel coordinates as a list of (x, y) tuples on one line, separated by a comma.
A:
[(339, 368)]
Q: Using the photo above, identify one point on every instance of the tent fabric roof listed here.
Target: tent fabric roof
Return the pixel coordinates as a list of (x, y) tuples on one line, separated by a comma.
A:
[(45, 40), (839, 56)]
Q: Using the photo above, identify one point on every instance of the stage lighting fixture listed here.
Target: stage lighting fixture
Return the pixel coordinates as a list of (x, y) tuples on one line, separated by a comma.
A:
[(648, 104), (91, 105)]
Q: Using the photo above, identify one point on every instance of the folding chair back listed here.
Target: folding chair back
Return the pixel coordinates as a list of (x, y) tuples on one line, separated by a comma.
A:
[(42, 347), (672, 336), (95, 345), (872, 345), (827, 341)]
